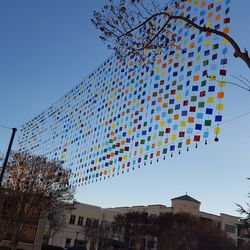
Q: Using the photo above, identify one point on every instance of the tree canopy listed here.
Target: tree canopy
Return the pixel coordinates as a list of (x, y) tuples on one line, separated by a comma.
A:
[(32, 186), (169, 231)]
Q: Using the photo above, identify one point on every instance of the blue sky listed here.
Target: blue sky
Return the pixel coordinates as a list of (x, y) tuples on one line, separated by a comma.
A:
[(47, 47)]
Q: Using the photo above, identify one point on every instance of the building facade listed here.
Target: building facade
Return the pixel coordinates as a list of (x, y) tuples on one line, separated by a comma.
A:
[(85, 219), (83, 226), (186, 204)]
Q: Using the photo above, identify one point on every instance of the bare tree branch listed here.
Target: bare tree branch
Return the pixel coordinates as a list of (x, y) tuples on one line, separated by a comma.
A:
[(237, 78), (142, 19)]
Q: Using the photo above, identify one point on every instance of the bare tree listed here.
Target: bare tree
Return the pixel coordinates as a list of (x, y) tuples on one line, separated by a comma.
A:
[(97, 234), (32, 186), (131, 26), (134, 228), (56, 220), (245, 212), (184, 231), (170, 231), (244, 228), (92, 232)]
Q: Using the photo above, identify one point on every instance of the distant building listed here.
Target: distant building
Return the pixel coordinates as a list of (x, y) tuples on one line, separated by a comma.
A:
[(82, 225), (187, 204), (79, 219)]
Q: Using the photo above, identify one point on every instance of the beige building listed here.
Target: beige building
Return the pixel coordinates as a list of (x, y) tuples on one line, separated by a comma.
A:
[(228, 223), (79, 219), (82, 226)]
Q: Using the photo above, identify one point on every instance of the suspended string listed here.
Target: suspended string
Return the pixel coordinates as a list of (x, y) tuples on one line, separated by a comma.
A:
[(217, 129)]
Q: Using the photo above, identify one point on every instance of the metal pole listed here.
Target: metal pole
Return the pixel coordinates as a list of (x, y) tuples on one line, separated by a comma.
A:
[(7, 154)]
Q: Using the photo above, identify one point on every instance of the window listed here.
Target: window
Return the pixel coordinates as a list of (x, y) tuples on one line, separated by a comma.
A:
[(217, 224), (67, 242), (81, 243), (230, 228), (80, 221), (95, 223), (153, 216), (88, 222), (72, 219)]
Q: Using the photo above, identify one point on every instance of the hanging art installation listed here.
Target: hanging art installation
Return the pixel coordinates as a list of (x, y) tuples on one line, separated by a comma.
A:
[(125, 115)]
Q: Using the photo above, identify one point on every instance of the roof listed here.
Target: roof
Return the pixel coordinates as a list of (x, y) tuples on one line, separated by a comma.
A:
[(186, 198)]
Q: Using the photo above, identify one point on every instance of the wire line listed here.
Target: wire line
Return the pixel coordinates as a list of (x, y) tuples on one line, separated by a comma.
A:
[(236, 117), (2, 126)]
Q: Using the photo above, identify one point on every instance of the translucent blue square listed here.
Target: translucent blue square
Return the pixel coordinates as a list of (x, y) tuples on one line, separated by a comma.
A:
[(158, 108), (197, 68), (199, 116), (218, 118), (224, 51), (198, 126), (184, 112), (202, 13), (211, 88), (205, 134), (209, 111), (169, 120), (164, 114), (195, 88), (175, 127)]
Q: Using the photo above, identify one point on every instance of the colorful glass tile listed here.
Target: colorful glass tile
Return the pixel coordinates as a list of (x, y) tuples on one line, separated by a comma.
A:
[(126, 114)]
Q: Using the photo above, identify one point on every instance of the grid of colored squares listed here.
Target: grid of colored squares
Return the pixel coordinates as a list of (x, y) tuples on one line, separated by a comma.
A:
[(127, 114)]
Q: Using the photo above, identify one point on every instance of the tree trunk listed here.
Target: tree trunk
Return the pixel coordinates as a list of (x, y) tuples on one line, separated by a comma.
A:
[(14, 237), (13, 244)]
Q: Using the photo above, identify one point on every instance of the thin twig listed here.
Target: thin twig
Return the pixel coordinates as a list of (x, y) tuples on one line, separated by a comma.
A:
[(245, 78), (241, 81)]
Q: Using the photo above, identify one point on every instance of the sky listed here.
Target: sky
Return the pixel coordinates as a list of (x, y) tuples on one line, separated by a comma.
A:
[(47, 47)]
